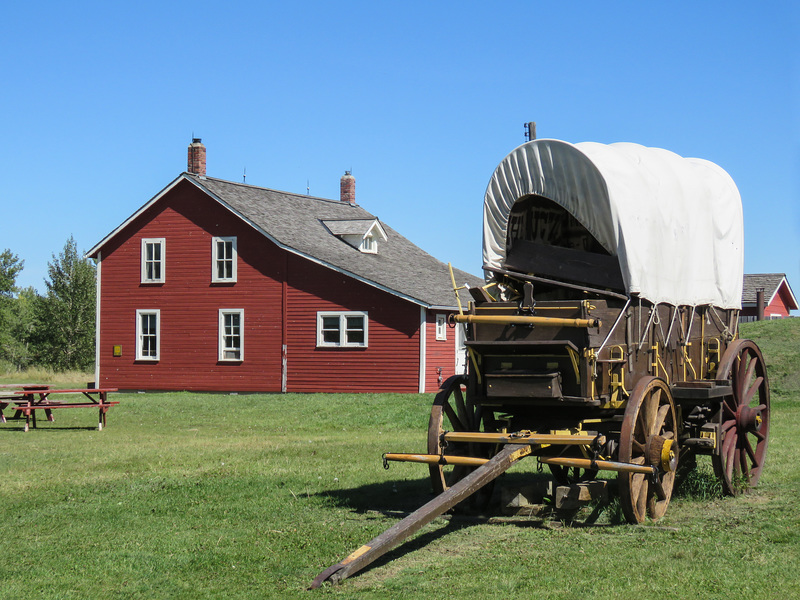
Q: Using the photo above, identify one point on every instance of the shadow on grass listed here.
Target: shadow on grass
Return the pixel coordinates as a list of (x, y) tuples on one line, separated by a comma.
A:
[(11, 427), (399, 498)]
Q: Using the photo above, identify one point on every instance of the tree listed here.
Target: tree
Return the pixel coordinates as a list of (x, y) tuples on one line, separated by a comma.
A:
[(10, 266), (18, 345), (66, 314)]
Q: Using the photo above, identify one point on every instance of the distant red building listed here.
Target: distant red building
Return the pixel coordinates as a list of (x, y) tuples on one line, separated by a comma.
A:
[(221, 286), (778, 296)]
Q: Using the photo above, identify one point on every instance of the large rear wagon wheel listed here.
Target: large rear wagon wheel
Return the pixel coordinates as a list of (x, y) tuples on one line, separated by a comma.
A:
[(745, 418), (648, 437), (453, 410)]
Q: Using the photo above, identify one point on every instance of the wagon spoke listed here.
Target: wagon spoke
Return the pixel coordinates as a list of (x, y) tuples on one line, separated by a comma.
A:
[(461, 409), (453, 418), (737, 461), (663, 411), (637, 481), (741, 364), (639, 424), (726, 406), (753, 389), (729, 453), (728, 445), (658, 491), (748, 447), (651, 411), (751, 369)]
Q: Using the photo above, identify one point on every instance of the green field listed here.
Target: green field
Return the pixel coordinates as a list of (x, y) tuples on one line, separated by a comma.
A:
[(214, 496)]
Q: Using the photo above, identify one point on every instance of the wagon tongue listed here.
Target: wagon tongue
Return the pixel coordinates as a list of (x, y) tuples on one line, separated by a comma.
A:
[(393, 536)]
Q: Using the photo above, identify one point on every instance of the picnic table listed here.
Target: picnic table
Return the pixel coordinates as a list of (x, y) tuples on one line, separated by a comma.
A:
[(8, 395), (27, 399)]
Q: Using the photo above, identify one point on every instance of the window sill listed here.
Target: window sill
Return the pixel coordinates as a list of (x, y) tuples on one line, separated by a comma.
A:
[(342, 347)]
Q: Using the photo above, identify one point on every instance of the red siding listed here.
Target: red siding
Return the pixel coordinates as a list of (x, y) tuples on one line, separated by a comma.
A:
[(440, 353), (390, 363), (268, 279), (189, 302), (776, 308)]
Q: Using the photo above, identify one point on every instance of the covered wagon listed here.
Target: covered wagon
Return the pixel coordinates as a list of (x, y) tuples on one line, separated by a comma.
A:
[(606, 337)]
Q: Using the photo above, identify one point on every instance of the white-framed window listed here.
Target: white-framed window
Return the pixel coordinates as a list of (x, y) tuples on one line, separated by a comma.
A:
[(441, 327), (148, 334), (231, 334), (153, 265), (223, 259), (339, 329), (369, 245)]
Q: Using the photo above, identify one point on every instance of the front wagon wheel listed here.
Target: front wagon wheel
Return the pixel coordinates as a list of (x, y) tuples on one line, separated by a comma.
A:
[(648, 438), (454, 410)]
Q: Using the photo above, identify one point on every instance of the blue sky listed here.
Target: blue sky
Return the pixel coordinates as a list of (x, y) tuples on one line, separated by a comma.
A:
[(421, 100)]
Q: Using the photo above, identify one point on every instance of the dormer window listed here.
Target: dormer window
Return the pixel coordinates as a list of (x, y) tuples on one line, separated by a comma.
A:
[(362, 234), (369, 245)]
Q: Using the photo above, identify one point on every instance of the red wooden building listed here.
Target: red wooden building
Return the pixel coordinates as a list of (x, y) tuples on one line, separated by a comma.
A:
[(779, 299), (221, 286)]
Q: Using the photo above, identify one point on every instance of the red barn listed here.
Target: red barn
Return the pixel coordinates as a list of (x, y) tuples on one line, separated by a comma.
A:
[(221, 286), (778, 296)]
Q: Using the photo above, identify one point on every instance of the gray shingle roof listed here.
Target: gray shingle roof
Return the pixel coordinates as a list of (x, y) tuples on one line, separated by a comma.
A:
[(349, 226), (295, 222), (770, 282)]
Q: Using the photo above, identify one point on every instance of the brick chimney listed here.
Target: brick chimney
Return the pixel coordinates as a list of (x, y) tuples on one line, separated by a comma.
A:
[(197, 157), (347, 188)]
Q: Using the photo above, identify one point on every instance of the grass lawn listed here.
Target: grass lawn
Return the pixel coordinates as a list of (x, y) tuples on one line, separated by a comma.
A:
[(211, 496)]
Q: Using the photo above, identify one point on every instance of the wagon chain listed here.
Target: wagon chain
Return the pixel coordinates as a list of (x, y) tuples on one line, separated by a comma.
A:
[(654, 477), (597, 444)]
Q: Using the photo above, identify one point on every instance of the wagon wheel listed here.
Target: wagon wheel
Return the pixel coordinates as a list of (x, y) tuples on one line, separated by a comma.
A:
[(745, 418), (648, 437), (454, 411)]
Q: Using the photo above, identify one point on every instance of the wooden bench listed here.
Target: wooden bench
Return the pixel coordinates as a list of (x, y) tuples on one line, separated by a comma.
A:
[(27, 402)]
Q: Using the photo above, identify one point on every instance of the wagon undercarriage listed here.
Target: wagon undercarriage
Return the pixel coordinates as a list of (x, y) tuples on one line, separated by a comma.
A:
[(484, 422)]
